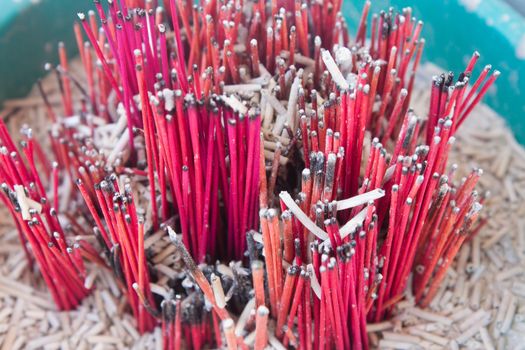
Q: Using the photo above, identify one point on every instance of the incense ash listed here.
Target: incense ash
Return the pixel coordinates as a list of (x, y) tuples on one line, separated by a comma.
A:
[(251, 175)]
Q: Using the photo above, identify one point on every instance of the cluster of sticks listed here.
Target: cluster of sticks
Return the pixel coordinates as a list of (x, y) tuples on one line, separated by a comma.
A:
[(123, 247), (40, 229), (188, 131), (199, 116)]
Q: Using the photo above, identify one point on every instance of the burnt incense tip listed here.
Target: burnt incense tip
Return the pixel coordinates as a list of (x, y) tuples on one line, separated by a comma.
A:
[(476, 207), (293, 270), (257, 265), (263, 311), (228, 324), (81, 16), (173, 236), (263, 213)]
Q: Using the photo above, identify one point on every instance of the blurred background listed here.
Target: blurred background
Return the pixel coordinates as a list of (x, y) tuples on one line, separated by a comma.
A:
[(31, 29)]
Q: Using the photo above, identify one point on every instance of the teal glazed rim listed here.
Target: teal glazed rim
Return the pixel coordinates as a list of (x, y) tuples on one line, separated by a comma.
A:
[(31, 29), (454, 29), (29, 34)]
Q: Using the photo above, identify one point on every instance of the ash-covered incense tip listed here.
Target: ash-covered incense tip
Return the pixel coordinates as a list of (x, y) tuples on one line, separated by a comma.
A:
[(173, 235), (306, 173), (228, 324), (476, 207), (257, 265), (81, 16), (263, 311)]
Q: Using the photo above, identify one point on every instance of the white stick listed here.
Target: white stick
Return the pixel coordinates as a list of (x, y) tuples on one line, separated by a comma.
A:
[(472, 319), (218, 292), (516, 270), (509, 315), (392, 344), (234, 103), (243, 319), (274, 102), (381, 326), (242, 88), (352, 224), (485, 338), (316, 287), (361, 199), (469, 333), (429, 336), (334, 71), (429, 316), (301, 216), (275, 343)]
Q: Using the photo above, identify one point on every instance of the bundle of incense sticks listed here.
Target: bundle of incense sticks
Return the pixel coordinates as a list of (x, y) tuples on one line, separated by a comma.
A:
[(36, 217), (196, 118)]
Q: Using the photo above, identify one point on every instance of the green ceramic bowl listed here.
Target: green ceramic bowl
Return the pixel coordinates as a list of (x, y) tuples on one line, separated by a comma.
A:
[(454, 29), (29, 34)]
